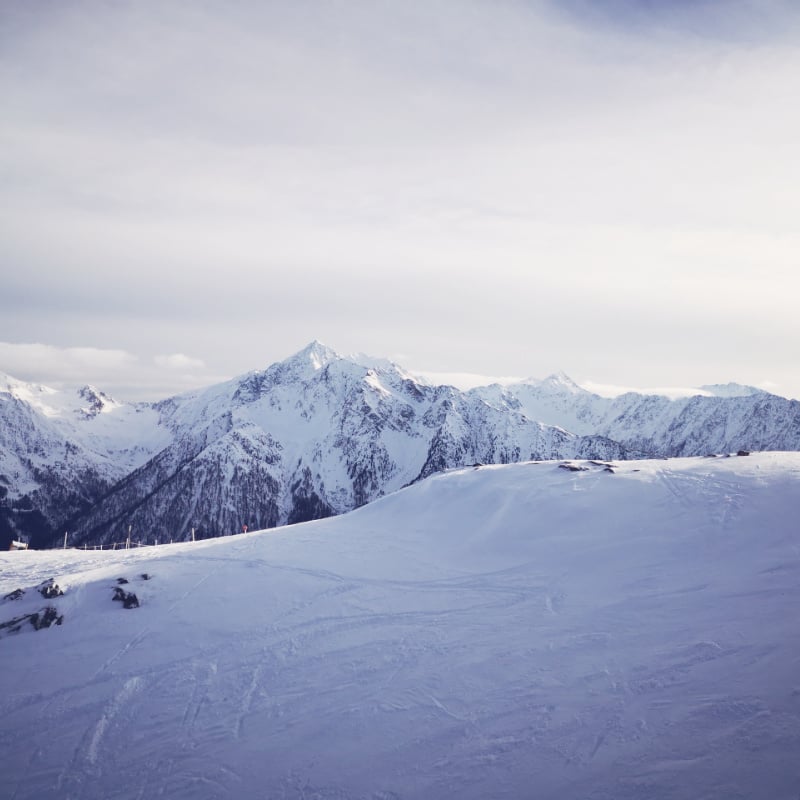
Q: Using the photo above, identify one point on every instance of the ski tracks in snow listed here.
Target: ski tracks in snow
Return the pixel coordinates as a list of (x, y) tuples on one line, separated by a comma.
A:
[(92, 755), (202, 676), (88, 756), (142, 634), (247, 701), (723, 498), (129, 689)]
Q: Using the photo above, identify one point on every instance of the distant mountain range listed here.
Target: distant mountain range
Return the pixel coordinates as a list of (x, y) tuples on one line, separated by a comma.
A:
[(320, 434)]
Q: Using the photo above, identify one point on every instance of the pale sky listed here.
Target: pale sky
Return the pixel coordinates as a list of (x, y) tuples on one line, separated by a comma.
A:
[(191, 190)]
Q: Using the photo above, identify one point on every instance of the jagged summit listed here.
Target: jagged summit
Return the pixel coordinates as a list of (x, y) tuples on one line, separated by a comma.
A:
[(303, 364), (306, 364), (83, 402), (320, 355), (561, 382), (97, 401), (315, 353)]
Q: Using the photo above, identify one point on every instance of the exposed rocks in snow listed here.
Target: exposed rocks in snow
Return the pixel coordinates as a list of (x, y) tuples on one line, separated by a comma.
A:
[(13, 625), (49, 589), (122, 580), (44, 618), (41, 618), (128, 599), (603, 466)]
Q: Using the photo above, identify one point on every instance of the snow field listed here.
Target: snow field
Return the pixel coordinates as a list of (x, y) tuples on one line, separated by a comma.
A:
[(504, 632)]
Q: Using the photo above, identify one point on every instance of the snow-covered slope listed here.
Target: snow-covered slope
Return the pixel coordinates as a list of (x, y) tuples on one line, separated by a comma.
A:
[(504, 632)]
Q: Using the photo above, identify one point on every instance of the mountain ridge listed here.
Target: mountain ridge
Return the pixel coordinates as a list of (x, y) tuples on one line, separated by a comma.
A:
[(318, 434)]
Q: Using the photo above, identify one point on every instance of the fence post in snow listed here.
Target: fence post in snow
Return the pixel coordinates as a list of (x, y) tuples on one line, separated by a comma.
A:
[(128, 542), (192, 534), (65, 539)]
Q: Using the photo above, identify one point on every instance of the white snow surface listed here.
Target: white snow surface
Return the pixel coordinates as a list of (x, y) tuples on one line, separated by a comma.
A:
[(519, 631)]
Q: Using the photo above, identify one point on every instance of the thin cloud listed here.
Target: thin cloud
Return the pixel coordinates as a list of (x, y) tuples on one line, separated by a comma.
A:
[(179, 362), (120, 373), (34, 360)]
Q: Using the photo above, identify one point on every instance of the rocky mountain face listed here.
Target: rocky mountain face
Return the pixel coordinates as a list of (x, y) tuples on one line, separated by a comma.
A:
[(318, 435), (61, 451), (725, 419)]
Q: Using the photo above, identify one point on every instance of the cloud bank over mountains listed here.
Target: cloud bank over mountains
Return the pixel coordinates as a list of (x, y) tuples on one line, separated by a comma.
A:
[(506, 188)]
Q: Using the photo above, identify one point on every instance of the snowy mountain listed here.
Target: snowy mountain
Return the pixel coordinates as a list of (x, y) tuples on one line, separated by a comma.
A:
[(61, 450), (724, 418), (621, 631), (317, 435), (310, 437)]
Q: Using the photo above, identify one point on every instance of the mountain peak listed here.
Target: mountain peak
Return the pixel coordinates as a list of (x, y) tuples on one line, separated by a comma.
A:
[(303, 364), (97, 401), (561, 382), (317, 354)]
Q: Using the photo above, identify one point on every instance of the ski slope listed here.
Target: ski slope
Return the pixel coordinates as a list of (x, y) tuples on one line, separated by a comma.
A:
[(521, 631)]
